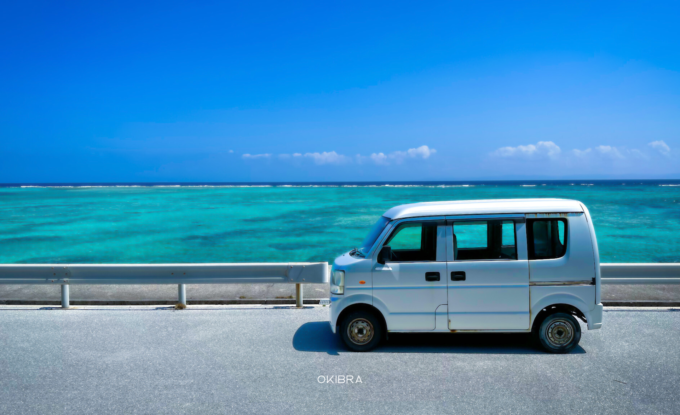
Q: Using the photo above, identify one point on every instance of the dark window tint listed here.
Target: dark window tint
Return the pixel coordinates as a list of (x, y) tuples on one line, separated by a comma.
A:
[(414, 241), (484, 240), (547, 238)]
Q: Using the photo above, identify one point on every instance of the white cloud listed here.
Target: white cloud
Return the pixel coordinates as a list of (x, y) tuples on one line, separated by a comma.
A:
[(396, 156), (538, 150), (611, 152), (422, 152), (379, 158), (328, 157), (256, 156), (582, 153), (332, 157), (231, 151), (661, 147)]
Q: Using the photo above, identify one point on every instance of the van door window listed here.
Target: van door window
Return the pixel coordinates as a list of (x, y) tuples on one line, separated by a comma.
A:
[(484, 240), (547, 238), (413, 242)]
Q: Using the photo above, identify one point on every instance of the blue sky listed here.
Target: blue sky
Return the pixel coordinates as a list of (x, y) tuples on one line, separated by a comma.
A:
[(278, 91)]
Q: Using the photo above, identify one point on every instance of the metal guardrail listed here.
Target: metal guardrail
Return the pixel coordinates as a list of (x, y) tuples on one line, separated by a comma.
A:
[(624, 274), (263, 273), (297, 273)]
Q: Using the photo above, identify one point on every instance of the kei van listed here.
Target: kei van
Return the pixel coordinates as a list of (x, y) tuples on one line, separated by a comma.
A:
[(522, 265)]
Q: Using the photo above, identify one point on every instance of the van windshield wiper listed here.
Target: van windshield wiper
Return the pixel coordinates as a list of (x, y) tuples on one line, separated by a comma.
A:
[(355, 251)]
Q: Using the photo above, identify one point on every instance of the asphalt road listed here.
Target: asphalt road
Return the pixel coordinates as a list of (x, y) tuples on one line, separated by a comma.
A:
[(260, 360)]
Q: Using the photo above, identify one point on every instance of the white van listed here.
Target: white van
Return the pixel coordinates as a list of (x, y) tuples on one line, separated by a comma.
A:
[(522, 265)]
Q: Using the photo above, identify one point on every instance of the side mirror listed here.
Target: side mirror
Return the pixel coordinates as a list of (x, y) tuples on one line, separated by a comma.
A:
[(384, 255)]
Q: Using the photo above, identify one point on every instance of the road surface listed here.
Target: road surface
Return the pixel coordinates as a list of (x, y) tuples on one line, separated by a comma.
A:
[(265, 359)]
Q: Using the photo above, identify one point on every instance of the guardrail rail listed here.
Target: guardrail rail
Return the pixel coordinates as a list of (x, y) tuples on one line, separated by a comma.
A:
[(624, 274), (297, 273)]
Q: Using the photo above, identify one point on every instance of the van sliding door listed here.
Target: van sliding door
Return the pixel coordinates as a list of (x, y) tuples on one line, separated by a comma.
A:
[(488, 276)]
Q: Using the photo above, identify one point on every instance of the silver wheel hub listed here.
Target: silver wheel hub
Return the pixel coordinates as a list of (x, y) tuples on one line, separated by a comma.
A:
[(360, 331), (560, 333)]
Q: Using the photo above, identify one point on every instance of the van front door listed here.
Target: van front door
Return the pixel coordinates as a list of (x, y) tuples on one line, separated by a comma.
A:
[(488, 276), (412, 283)]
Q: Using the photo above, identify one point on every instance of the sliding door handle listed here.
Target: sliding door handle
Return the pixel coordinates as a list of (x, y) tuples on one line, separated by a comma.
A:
[(458, 276), (432, 276)]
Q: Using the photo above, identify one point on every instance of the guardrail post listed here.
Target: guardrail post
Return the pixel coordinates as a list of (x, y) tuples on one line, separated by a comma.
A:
[(65, 296), (182, 293), (298, 295)]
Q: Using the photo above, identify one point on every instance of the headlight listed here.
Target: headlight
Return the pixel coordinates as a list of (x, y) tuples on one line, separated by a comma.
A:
[(338, 282)]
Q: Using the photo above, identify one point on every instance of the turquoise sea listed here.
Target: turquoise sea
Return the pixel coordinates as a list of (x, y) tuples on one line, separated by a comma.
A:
[(635, 221)]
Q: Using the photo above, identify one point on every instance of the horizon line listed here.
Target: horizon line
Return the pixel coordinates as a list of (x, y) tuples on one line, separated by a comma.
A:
[(179, 183)]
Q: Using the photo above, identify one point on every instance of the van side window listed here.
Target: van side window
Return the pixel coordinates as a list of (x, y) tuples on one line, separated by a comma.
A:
[(414, 242), (471, 235), (484, 240), (546, 238)]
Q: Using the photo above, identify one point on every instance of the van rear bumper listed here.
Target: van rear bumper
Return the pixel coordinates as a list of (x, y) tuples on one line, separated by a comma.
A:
[(595, 318)]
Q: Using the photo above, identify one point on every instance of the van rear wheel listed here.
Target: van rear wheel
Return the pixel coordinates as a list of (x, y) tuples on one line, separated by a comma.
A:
[(361, 331), (559, 333)]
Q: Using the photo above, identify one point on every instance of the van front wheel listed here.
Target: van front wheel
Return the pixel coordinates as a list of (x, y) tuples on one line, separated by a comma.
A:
[(361, 331), (559, 333)]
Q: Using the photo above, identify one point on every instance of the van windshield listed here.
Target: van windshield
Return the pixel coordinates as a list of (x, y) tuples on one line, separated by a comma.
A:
[(376, 230)]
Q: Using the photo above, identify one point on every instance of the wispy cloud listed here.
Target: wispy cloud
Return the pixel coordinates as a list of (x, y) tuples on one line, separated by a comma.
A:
[(550, 151), (286, 156), (635, 153), (610, 151), (398, 157), (378, 158), (247, 156), (582, 153), (334, 158), (661, 147), (539, 150), (618, 153), (328, 157)]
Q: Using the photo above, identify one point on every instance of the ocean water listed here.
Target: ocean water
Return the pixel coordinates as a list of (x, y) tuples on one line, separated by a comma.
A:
[(635, 221)]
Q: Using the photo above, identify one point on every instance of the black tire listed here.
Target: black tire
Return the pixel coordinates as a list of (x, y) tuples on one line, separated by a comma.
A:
[(559, 333), (361, 331)]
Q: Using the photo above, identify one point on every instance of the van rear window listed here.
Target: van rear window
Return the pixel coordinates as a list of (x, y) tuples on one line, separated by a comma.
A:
[(547, 238)]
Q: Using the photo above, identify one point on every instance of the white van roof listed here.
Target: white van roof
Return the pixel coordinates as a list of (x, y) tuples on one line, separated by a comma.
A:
[(484, 207)]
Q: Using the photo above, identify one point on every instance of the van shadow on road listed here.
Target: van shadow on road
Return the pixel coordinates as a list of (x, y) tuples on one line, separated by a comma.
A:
[(318, 337)]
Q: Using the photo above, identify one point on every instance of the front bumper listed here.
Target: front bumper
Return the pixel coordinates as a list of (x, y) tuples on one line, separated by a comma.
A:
[(334, 311)]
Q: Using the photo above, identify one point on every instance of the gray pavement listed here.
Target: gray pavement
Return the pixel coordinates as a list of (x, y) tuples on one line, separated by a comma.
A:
[(139, 294), (259, 360)]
